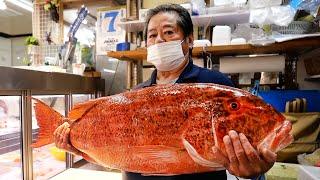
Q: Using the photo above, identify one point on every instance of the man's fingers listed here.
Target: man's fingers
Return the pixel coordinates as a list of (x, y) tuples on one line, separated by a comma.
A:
[(268, 155), (219, 157), (59, 135), (234, 164), (58, 131), (281, 135), (251, 153), (238, 149), (229, 149), (66, 136)]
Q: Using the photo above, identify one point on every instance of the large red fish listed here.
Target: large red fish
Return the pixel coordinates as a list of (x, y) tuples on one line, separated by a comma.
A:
[(167, 129)]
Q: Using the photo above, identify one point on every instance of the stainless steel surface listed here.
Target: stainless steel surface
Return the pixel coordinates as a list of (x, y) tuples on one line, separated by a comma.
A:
[(26, 134), (139, 72), (129, 75), (25, 83), (68, 105), (20, 79), (115, 74)]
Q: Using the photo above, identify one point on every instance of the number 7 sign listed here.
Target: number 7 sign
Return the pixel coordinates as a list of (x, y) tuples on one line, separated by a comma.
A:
[(108, 33), (113, 16)]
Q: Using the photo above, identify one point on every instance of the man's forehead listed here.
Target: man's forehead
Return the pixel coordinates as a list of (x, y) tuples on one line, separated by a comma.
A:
[(163, 20)]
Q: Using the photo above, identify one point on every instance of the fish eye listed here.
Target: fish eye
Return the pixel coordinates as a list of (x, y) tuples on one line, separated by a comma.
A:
[(234, 106)]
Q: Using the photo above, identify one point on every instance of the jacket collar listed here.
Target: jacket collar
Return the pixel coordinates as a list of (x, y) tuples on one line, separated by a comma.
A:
[(189, 72)]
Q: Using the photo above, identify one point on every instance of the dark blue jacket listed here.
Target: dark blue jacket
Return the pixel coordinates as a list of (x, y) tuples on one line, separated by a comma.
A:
[(191, 74)]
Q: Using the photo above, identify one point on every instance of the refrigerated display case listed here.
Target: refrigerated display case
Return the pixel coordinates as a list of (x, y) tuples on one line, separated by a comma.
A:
[(10, 138), (18, 126)]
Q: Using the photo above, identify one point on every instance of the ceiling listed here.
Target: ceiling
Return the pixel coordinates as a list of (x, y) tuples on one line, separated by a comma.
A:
[(15, 13), (12, 11)]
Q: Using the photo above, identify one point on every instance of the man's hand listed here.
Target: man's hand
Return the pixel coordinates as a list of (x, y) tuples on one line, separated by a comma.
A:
[(243, 160), (61, 139)]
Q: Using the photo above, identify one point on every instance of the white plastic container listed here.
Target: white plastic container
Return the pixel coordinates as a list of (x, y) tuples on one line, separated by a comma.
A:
[(308, 173), (221, 35), (238, 41), (220, 2), (254, 4), (201, 43)]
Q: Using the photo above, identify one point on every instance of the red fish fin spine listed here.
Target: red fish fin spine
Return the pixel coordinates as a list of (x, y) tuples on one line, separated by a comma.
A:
[(88, 158), (79, 110), (48, 120)]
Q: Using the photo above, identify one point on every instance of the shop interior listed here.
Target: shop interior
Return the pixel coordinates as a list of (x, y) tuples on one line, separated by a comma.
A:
[(66, 52)]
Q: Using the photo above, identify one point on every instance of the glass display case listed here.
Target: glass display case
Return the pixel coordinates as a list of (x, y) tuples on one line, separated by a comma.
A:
[(18, 125), (10, 138)]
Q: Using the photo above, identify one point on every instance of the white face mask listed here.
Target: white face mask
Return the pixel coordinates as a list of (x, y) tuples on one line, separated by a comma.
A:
[(166, 56)]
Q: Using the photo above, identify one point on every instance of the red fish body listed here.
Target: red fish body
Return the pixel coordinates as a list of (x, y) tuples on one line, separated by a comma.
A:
[(167, 129)]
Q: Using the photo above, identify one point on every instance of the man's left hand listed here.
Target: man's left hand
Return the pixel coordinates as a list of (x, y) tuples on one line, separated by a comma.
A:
[(243, 160)]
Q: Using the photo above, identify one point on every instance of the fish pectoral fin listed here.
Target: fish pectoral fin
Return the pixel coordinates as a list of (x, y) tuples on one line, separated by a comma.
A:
[(157, 153), (196, 157)]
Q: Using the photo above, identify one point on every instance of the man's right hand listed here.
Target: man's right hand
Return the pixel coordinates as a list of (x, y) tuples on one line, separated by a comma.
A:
[(61, 139)]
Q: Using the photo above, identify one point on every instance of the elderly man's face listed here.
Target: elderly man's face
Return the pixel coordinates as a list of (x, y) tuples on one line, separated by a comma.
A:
[(163, 28)]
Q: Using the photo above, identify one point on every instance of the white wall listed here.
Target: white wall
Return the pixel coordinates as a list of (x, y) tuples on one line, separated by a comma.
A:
[(21, 25), (5, 26), (16, 25), (5, 52)]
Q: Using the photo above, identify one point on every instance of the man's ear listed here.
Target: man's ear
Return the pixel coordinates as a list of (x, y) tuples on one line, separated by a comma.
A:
[(190, 39)]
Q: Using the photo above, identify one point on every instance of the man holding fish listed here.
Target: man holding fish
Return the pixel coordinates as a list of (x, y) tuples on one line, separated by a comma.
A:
[(169, 37)]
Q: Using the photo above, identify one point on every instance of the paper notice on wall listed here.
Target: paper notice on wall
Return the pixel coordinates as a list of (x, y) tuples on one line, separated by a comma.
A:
[(252, 64), (109, 34)]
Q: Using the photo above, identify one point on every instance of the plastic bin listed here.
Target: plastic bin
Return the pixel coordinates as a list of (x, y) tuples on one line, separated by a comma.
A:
[(278, 98)]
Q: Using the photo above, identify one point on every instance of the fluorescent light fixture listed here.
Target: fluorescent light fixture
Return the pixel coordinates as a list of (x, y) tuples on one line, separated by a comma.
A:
[(25, 4), (3, 5)]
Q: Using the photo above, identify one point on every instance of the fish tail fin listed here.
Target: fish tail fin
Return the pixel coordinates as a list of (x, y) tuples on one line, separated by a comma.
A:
[(48, 121)]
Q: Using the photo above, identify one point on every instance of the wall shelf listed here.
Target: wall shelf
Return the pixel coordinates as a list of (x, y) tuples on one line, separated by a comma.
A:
[(293, 46), (237, 17)]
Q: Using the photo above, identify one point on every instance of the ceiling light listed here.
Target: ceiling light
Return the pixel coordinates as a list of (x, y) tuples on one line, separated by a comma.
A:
[(25, 4), (3, 5)]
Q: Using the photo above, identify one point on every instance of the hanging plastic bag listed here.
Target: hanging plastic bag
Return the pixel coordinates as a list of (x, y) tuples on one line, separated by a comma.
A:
[(279, 15), (310, 6), (198, 7)]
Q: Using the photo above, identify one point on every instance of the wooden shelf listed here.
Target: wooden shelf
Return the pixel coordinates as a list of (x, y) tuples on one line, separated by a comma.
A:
[(139, 54), (237, 17), (287, 46), (293, 46)]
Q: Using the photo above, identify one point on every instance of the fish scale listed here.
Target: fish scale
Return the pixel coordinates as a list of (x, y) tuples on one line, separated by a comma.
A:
[(166, 129)]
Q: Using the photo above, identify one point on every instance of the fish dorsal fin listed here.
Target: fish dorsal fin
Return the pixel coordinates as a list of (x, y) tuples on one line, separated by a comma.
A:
[(79, 110), (196, 157)]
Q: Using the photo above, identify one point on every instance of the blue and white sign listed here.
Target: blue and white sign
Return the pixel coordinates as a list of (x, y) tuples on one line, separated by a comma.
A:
[(109, 34)]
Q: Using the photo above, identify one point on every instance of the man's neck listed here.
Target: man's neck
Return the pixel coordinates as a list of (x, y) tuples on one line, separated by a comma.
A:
[(174, 74)]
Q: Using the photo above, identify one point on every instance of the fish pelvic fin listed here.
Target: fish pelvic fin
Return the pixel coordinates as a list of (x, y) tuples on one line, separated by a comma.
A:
[(48, 121)]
